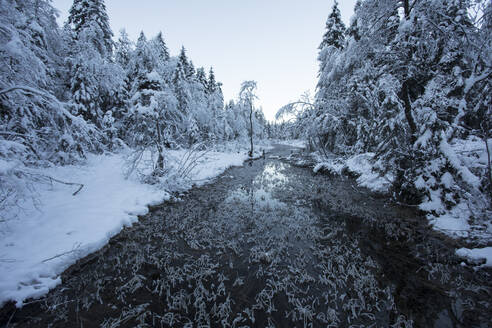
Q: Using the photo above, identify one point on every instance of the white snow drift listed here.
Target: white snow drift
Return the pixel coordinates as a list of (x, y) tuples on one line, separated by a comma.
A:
[(54, 232)]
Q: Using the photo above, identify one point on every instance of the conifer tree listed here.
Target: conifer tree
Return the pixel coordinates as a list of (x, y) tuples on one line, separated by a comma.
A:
[(211, 83), (335, 29), (140, 65), (201, 77), (179, 74), (160, 48), (180, 87), (190, 73), (94, 79), (143, 58), (123, 49), (410, 82), (353, 29), (331, 45), (40, 128), (89, 18), (183, 62)]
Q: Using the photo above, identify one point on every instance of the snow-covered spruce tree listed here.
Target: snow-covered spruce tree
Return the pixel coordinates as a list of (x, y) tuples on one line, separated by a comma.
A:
[(335, 30), (160, 48), (153, 107), (162, 58), (184, 63), (447, 112), (206, 106), (190, 72), (189, 132), (201, 77), (331, 46), (333, 39), (142, 61), (35, 127), (122, 56), (91, 15), (199, 118), (123, 49), (154, 118), (215, 100), (144, 122), (95, 80), (211, 83), (216, 103)]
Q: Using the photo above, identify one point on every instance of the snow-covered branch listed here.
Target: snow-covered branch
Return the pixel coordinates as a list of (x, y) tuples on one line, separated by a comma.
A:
[(26, 89), (473, 79)]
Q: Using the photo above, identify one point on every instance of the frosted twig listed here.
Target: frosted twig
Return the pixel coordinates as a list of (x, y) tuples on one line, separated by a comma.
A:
[(68, 184), (62, 254)]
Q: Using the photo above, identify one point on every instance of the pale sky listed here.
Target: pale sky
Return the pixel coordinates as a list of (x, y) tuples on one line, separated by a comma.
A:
[(274, 42)]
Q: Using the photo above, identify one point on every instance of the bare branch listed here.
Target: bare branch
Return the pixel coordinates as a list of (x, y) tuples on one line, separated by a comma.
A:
[(22, 88), (64, 253), (68, 184)]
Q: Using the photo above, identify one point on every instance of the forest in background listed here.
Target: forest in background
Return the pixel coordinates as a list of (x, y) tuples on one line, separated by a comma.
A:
[(66, 92)]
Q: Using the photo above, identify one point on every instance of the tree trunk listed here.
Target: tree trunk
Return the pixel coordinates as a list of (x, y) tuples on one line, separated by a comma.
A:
[(251, 128), (160, 158), (488, 161), (406, 8), (405, 95), (485, 135), (405, 92)]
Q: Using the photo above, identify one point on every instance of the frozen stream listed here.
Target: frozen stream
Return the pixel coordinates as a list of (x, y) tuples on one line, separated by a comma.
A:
[(269, 245)]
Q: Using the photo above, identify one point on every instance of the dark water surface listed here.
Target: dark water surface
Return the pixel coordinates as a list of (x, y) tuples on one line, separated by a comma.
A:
[(269, 245)]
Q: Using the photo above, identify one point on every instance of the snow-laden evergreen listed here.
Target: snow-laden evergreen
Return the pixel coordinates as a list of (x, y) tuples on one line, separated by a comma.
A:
[(66, 92), (409, 83)]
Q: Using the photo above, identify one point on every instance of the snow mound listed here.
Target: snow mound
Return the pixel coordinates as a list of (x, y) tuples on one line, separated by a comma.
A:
[(453, 223), (363, 166), (46, 240), (6, 167), (477, 254), (331, 167)]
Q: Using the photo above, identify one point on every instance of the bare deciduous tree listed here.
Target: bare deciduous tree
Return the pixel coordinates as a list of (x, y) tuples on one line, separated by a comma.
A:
[(246, 97)]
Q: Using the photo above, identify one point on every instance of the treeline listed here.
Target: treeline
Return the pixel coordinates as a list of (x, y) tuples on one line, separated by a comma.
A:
[(410, 81), (66, 91)]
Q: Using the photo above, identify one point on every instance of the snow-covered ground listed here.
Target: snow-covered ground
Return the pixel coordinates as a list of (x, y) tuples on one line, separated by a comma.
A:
[(56, 230)]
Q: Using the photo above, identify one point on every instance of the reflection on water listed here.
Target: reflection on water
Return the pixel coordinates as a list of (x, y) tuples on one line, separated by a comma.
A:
[(301, 274), (257, 194), (272, 175)]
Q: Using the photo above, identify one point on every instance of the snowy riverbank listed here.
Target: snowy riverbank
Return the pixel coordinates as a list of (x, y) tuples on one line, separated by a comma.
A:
[(54, 231), (460, 221)]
